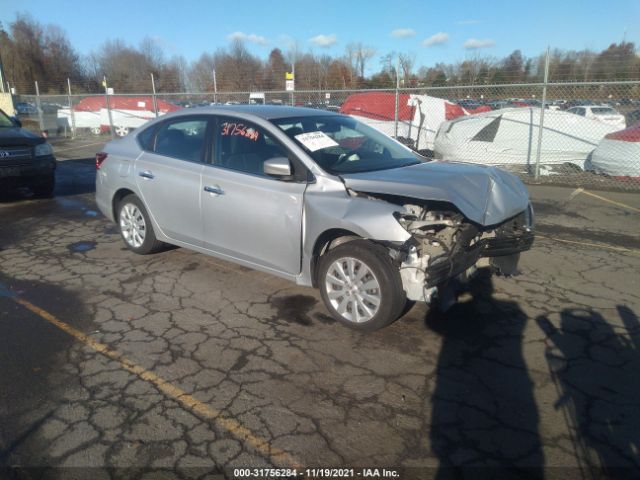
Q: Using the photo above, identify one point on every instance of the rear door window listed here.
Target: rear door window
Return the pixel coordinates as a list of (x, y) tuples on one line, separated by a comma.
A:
[(182, 138)]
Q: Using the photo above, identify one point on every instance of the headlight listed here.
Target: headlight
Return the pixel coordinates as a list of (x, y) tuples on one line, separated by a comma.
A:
[(529, 217), (43, 149)]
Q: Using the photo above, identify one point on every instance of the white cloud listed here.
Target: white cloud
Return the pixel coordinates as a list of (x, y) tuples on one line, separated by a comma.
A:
[(324, 40), (251, 37), (436, 39), (403, 33), (288, 41), (468, 22), (474, 43)]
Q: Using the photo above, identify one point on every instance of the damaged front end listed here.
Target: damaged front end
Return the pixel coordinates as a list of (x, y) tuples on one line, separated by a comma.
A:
[(446, 248), (458, 216)]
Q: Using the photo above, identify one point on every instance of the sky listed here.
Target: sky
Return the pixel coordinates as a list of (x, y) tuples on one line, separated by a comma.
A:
[(431, 31)]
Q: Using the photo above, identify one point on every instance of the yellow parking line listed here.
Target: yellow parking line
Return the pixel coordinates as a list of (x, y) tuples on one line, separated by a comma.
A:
[(189, 401), (588, 244), (604, 199)]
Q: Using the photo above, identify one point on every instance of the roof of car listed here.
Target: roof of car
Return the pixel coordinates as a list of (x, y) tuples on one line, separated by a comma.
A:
[(268, 112)]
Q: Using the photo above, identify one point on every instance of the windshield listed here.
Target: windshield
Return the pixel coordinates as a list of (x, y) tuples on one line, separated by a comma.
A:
[(340, 144), (5, 121)]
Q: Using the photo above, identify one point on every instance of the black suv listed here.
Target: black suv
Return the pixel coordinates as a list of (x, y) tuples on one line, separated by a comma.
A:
[(26, 160)]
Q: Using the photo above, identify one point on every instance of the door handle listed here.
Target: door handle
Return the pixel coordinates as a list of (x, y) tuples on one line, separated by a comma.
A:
[(147, 174), (217, 190)]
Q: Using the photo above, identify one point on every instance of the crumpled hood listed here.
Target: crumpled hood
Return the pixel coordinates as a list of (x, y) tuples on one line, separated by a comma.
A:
[(485, 195)]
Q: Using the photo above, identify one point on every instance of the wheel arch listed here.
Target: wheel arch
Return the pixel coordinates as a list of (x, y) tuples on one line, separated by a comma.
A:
[(117, 198), (326, 240)]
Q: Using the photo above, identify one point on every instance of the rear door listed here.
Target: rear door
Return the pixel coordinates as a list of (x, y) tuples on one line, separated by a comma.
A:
[(169, 176), (248, 215)]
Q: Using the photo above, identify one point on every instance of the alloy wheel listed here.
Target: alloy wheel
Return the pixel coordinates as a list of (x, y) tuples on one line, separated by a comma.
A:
[(132, 225), (353, 289), (122, 131)]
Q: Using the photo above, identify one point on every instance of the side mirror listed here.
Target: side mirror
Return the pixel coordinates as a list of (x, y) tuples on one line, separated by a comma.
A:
[(16, 122), (278, 167)]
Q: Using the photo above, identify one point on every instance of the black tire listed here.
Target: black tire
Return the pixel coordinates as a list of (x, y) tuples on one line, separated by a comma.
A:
[(150, 244), (392, 298), (44, 188)]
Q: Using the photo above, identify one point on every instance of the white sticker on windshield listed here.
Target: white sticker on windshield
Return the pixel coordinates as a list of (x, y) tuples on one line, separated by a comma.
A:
[(316, 140)]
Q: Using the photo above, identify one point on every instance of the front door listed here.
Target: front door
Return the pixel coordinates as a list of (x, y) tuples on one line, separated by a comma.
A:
[(248, 215)]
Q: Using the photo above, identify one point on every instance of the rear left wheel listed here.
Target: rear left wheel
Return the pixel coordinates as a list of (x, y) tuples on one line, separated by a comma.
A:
[(135, 226), (361, 286)]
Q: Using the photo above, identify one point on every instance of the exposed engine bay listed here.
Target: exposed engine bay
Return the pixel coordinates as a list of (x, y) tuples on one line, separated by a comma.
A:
[(446, 247)]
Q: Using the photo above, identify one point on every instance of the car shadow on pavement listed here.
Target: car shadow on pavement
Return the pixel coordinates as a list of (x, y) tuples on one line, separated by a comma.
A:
[(74, 177), (484, 421), (33, 377), (595, 367)]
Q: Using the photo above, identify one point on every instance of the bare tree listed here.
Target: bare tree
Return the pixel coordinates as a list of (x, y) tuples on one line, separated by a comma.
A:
[(357, 56), (407, 60)]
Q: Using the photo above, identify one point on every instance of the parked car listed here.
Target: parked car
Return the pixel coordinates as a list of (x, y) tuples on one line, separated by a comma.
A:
[(314, 197), (126, 113), (469, 104), (509, 137), (618, 155), (555, 104), (498, 104), (633, 117), (602, 113), (24, 108), (577, 103), (419, 116), (26, 160), (50, 107)]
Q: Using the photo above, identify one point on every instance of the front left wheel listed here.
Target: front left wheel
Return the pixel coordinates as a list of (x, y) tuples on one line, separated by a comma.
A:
[(135, 226), (360, 285)]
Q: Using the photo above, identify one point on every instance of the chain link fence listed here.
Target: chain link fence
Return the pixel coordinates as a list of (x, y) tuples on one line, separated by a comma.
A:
[(583, 134)]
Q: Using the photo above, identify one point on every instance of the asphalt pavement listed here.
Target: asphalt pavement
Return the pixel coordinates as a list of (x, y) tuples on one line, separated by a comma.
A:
[(114, 365)]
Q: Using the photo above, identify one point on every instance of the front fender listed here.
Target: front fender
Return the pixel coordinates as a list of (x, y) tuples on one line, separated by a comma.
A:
[(365, 217)]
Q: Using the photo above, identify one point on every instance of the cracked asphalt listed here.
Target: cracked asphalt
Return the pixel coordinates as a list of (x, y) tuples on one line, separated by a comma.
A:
[(234, 368)]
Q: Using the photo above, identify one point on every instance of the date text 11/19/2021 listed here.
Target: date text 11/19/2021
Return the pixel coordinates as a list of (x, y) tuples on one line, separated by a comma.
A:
[(315, 473)]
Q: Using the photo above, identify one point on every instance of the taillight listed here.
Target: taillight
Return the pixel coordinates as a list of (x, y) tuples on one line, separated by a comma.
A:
[(100, 157)]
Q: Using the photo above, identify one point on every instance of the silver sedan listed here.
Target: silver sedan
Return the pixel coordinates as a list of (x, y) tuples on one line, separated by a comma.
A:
[(315, 197)]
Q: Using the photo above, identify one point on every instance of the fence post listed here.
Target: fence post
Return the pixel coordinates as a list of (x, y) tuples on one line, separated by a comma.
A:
[(215, 87), (155, 102), (72, 115), (544, 102), (39, 107), (395, 117), (106, 96)]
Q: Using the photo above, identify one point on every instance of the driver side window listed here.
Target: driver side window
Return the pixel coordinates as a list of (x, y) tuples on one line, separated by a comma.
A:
[(243, 146)]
